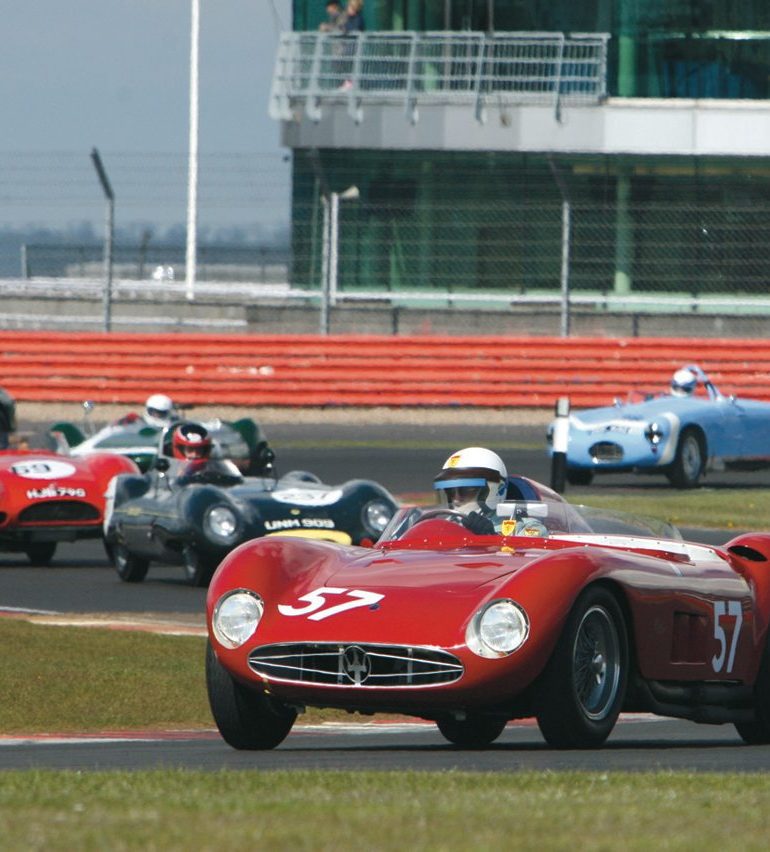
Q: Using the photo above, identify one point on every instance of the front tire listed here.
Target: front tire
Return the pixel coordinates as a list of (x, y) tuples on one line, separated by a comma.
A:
[(41, 553), (689, 462), (758, 731), (196, 569), (130, 568), (475, 731), (581, 691), (246, 719), (579, 476)]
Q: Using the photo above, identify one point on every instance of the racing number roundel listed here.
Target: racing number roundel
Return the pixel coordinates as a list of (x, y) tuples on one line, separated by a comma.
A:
[(43, 469)]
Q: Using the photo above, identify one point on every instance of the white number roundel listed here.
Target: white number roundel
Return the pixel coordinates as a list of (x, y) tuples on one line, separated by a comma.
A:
[(43, 469), (307, 496)]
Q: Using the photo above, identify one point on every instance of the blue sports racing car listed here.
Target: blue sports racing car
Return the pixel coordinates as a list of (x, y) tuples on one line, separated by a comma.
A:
[(681, 434)]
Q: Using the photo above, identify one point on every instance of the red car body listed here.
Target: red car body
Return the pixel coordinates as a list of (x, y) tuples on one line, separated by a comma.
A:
[(47, 498), (602, 622)]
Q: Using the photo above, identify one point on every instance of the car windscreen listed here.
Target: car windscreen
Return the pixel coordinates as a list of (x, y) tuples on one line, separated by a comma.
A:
[(220, 472), (556, 516)]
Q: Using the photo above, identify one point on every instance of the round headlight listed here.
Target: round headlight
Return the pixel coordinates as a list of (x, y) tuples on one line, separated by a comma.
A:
[(221, 523), (236, 617), (498, 629), (654, 433), (376, 516)]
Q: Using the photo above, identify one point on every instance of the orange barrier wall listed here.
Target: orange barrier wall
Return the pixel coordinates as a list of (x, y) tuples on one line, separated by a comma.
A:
[(309, 370)]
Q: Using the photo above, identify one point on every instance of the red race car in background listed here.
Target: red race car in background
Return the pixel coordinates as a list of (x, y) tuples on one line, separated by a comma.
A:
[(595, 614), (46, 498)]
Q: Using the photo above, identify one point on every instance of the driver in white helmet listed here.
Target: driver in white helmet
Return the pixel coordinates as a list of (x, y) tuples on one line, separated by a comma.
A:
[(684, 381), (472, 482), (159, 411)]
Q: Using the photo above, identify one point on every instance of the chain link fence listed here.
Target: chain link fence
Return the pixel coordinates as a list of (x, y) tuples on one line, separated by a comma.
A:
[(509, 234), (262, 264), (670, 234)]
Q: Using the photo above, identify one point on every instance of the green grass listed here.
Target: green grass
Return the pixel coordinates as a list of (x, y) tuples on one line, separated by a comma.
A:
[(76, 679), (66, 679), (297, 810), (739, 509), (734, 508)]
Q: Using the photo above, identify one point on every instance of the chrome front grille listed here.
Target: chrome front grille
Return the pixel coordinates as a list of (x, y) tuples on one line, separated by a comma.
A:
[(606, 451), (373, 666)]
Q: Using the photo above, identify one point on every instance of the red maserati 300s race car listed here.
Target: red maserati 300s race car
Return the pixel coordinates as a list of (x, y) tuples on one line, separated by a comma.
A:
[(46, 498), (594, 616)]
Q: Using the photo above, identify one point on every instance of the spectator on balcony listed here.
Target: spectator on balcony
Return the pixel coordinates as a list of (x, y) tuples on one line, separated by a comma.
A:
[(352, 19), (333, 22)]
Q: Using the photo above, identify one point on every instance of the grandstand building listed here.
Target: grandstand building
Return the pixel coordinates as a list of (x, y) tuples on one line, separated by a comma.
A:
[(616, 148)]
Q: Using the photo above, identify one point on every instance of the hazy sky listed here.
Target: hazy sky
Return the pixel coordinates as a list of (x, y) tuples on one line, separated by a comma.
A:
[(114, 74)]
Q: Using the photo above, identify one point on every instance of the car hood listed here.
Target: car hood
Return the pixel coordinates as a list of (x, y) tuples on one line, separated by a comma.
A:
[(393, 596), (641, 412), (41, 467)]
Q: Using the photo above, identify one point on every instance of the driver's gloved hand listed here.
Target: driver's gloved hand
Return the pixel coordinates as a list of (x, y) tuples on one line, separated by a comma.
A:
[(478, 524)]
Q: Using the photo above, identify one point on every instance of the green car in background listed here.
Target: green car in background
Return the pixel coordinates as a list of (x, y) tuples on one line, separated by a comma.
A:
[(241, 441)]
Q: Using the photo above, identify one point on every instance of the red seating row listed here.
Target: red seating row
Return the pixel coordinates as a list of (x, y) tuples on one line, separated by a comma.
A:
[(347, 370)]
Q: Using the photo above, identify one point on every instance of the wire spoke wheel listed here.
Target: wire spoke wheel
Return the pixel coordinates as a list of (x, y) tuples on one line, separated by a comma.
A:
[(689, 462), (597, 663), (691, 457), (581, 691)]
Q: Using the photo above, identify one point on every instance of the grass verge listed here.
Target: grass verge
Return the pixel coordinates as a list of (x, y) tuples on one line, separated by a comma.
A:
[(739, 509), (249, 809), (87, 679), (90, 679)]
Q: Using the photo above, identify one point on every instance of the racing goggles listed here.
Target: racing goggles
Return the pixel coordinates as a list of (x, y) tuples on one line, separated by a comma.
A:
[(458, 492), (195, 452), (159, 413)]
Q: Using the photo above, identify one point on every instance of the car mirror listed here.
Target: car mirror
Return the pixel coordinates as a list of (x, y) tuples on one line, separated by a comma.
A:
[(162, 464)]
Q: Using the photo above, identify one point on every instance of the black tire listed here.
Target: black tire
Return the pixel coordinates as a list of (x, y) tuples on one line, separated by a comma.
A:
[(579, 476), (689, 461), (758, 731), (475, 731), (196, 569), (246, 719), (581, 691), (40, 553), (130, 568)]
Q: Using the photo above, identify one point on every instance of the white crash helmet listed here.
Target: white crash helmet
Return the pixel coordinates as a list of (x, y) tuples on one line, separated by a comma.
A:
[(158, 410), (472, 479), (683, 382)]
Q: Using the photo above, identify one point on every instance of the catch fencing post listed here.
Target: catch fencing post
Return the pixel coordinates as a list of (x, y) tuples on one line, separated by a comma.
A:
[(559, 445), (325, 263), (109, 229)]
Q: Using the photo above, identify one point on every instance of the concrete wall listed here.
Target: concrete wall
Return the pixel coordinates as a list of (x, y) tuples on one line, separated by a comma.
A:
[(171, 312)]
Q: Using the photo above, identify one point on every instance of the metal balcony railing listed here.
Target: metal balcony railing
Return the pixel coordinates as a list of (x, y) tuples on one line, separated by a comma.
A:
[(474, 68)]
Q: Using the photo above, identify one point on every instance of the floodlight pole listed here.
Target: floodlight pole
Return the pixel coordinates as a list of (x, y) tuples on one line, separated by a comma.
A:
[(109, 230), (192, 165), (566, 238)]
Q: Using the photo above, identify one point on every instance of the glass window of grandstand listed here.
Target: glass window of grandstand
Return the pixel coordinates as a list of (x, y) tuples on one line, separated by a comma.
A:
[(658, 48)]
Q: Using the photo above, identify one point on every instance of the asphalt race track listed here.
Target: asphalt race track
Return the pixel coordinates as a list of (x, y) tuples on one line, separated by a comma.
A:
[(637, 744), (405, 459)]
